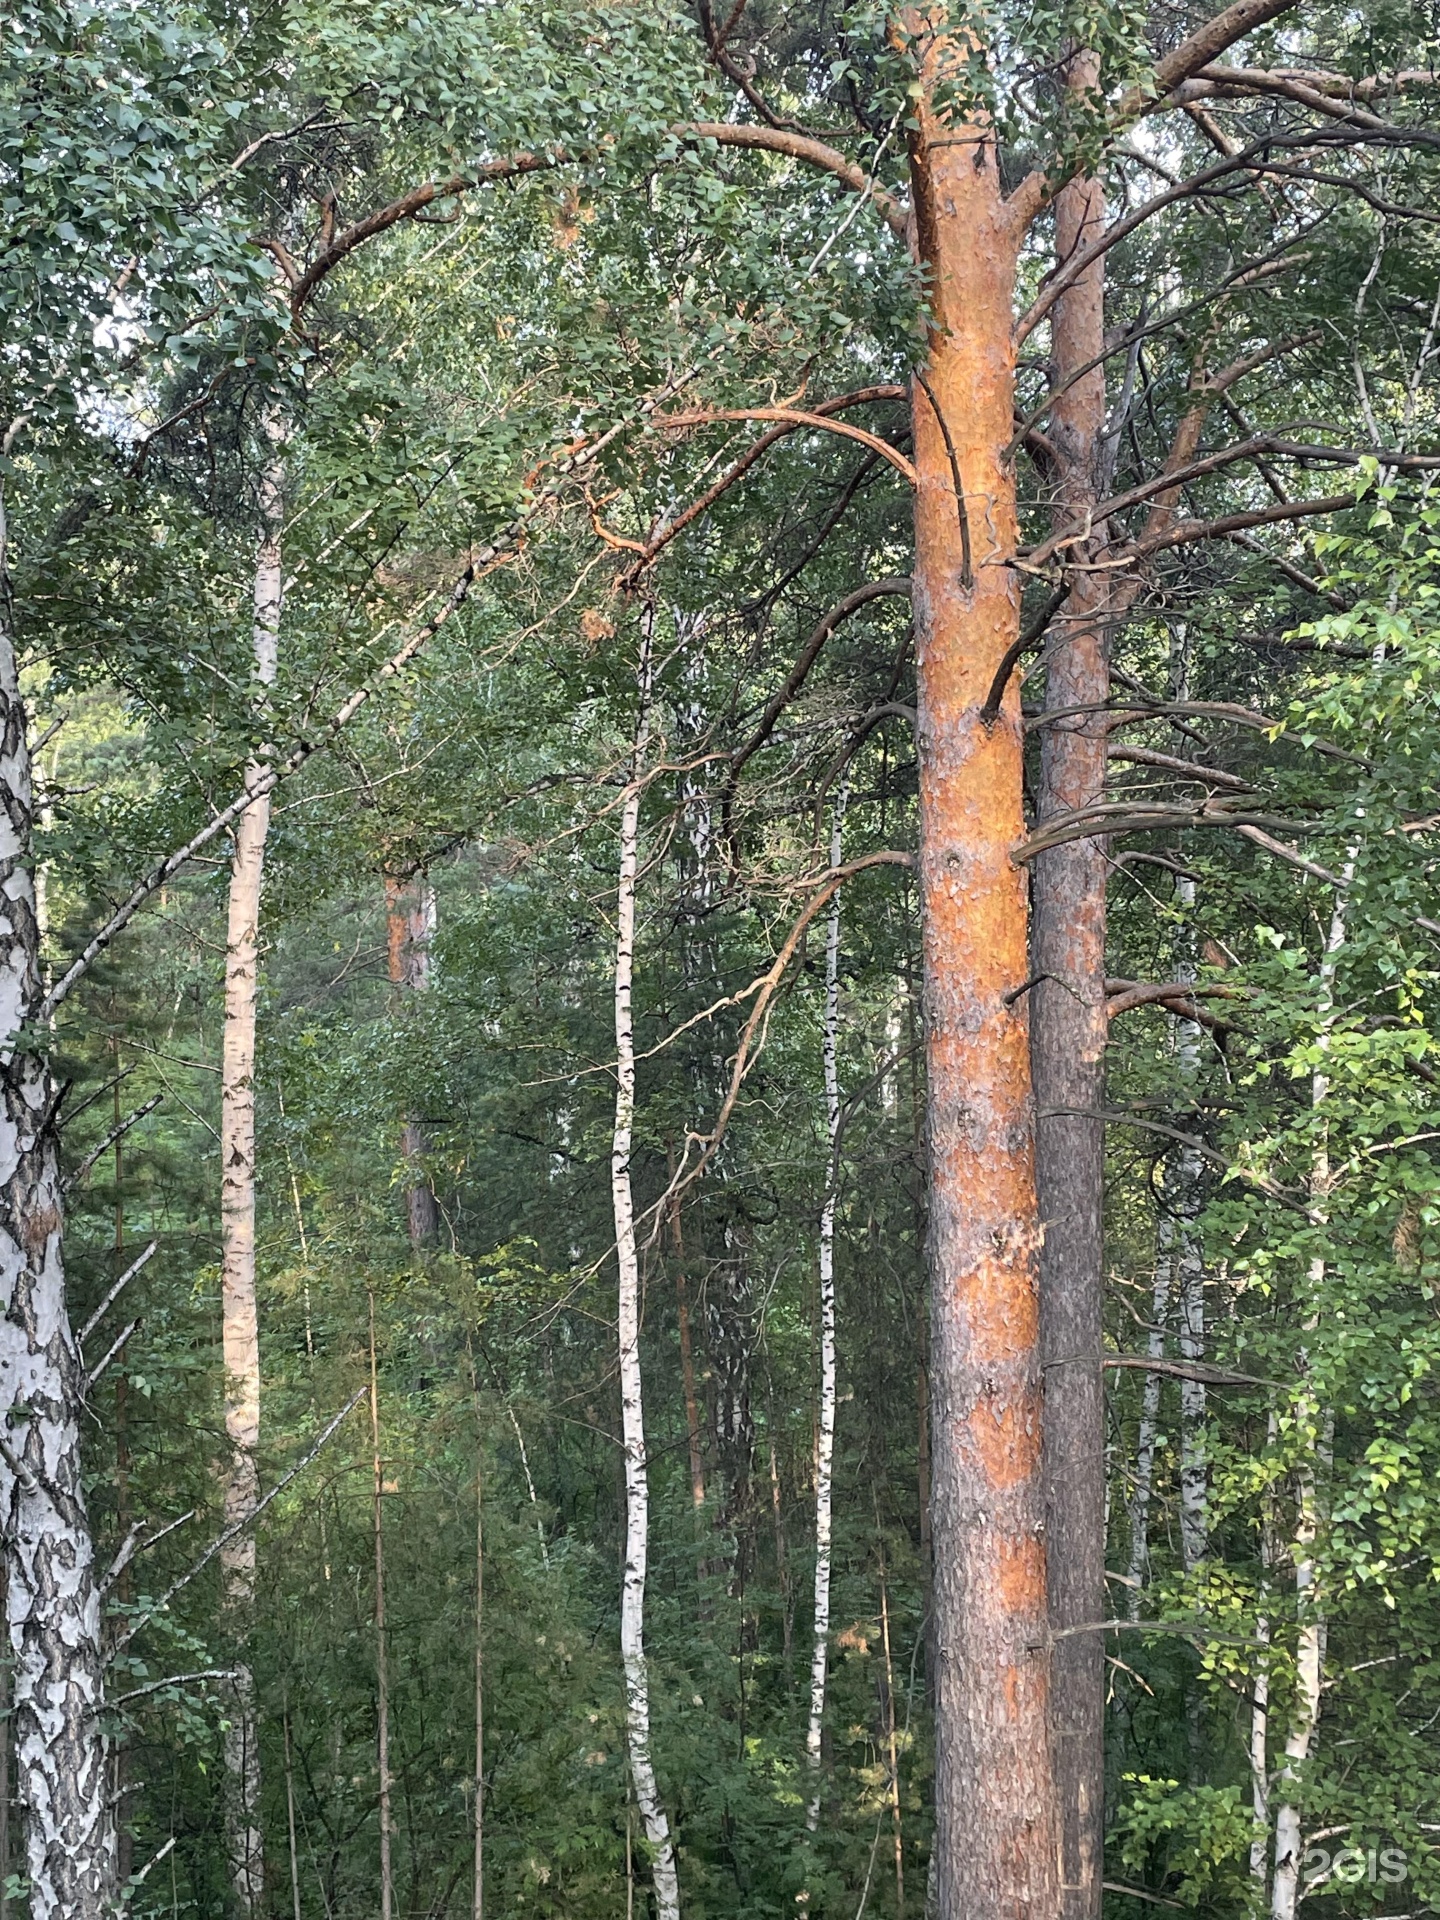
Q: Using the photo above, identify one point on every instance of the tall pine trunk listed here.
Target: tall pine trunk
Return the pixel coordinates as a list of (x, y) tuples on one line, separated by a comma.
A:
[(632, 1412), (996, 1829), (51, 1596), (1068, 1033), (239, 1313)]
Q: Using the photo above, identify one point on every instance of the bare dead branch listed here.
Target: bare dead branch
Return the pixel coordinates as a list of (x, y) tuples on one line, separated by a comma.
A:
[(115, 1133), (1184, 1370), (115, 1292), (1030, 635), (116, 1348), (897, 585), (661, 539), (1186, 769), (233, 1532), (1111, 817)]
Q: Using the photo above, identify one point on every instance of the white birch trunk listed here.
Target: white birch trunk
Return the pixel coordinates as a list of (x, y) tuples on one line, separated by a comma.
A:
[(1316, 1429), (1260, 1704), (1309, 1678), (239, 1316), (1190, 1288), (1149, 1419), (1194, 1468), (53, 1606), (825, 1444), (637, 1489)]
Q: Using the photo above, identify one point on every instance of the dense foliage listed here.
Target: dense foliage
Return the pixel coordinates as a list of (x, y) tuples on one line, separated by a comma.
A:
[(186, 290)]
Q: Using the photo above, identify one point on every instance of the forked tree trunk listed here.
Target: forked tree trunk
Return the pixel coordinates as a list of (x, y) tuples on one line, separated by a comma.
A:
[(1067, 1039), (52, 1602), (996, 1828), (239, 1313), (825, 1446), (632, 1412), (409, 936)]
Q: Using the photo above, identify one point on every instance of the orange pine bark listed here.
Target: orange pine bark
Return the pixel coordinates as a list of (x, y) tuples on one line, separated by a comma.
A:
[(996, 1838)]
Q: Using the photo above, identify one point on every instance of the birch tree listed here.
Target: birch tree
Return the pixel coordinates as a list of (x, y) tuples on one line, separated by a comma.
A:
[(52, 1583), (239, 1305), (825, 1444), (637, 1487)]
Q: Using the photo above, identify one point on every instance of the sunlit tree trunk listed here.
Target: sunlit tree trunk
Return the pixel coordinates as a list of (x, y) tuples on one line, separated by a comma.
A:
[(239, 1312), (51, 1597), (637, 1488), (996, 1826), (1068, 1034), (825, 1448)]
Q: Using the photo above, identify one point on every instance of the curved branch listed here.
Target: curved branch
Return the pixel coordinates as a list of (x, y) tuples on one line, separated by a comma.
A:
[(1185, 532), (1257, 447), (741, 466), (1030, 636), (802, 146), (768, 985), (1065, 276), (898, 585), (408, 207), (706, 416), (1110, 817)]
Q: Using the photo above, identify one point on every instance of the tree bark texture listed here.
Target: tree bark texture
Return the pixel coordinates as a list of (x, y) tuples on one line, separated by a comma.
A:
[(1189, 1198), (409, 935), (637, 1487), (1149, 1418), (825, 1447), (1316, 1426), (239, 1312), (996, 1837), (1067, 1039), (52, 1601)]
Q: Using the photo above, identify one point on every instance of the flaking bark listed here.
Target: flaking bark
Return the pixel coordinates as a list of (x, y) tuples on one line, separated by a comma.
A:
[(996, 1829), (52, 1602)]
